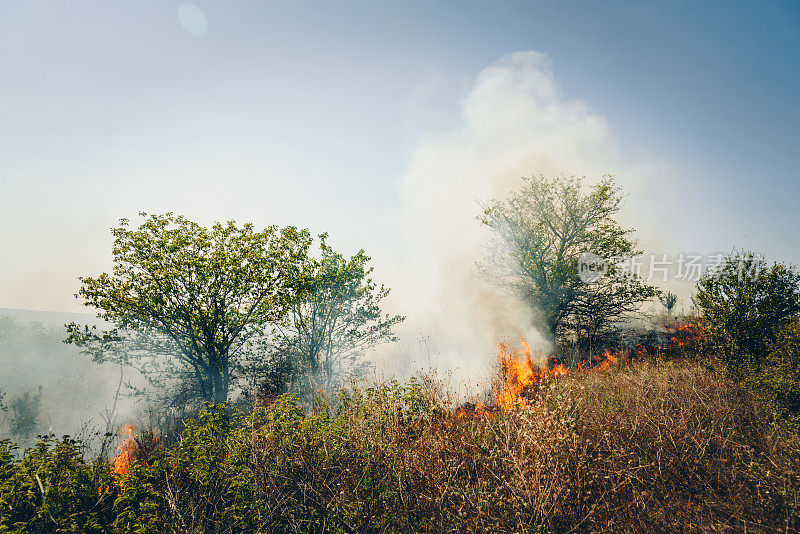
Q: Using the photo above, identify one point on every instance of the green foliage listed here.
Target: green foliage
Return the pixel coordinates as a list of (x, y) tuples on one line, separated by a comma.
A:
[(335, 318), (52, 489), (779, 377), (543, 229), (669, 300), (185, 300), (744, 305), (25, 414), (139, 506), (203, 444)]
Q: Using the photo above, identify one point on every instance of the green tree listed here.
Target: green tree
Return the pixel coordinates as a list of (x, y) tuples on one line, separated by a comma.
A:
[(336, 317), (744, 303), (25, 414), (184, 301), (669, 300), (544, 231)]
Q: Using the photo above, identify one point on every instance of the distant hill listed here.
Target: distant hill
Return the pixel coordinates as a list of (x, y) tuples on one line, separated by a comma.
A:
[(50, 319)]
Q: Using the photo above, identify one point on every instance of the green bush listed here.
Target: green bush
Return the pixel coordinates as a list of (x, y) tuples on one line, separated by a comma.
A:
[(779, 377), (25, 414), (52, 489), (744, 304)]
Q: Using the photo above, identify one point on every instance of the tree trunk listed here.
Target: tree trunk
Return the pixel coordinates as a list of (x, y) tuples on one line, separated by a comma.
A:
[(554, 331), (219, 389)]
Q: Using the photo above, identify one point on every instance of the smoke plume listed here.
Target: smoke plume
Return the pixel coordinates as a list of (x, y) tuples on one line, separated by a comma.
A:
[(514, 123)]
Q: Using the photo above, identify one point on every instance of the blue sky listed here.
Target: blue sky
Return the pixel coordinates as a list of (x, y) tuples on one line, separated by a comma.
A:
[(313, 113)]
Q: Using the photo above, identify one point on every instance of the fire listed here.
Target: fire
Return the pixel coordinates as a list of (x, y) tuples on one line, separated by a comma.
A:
[(519, 372), (127, 453), (478, 409), (606, 362), (682, 334)]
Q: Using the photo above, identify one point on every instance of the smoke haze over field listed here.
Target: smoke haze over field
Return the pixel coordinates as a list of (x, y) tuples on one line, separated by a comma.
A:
[(385, 125), (307, 113), (76, 393), (515, 122)]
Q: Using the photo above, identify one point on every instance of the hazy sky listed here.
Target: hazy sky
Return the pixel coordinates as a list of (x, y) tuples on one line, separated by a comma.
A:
[(314, 114)]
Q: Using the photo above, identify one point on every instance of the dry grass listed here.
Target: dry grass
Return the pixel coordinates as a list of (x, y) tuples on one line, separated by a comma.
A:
[(666, 447), (646, 447), (670, 447)]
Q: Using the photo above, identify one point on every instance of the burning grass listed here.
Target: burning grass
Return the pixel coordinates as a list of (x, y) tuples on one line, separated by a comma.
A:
[(671, 447), (520, 373), (127, 452), (637, 447)]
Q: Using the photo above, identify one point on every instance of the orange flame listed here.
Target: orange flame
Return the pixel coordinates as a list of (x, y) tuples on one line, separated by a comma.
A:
[(518, 373), (682, 334), (127, 453), (477, 410), (606, 362)]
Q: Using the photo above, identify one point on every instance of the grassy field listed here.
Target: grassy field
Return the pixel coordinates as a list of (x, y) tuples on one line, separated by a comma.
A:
[(671, 446)]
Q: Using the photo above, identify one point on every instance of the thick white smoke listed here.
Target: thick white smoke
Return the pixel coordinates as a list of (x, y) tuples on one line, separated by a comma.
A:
[(514, 123)]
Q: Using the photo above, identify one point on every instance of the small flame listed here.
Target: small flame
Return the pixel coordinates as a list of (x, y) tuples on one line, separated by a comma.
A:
[(606, 362), (477, 410), (519, 373), (127, 453), (682, 334)]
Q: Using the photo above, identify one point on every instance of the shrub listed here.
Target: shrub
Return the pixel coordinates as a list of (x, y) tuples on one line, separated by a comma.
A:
[(658, 447), (744, 304), (779, 377), (52, 489), (25, 414)]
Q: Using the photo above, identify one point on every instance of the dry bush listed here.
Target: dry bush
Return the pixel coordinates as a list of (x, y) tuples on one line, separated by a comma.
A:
[(667, 447), (650, 447), (673, 447)]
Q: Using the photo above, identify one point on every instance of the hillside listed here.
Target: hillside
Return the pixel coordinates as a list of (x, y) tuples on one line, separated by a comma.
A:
[(638, 446)]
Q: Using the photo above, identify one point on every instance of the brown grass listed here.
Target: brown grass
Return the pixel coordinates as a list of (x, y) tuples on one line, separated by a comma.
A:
[(669, 447)]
